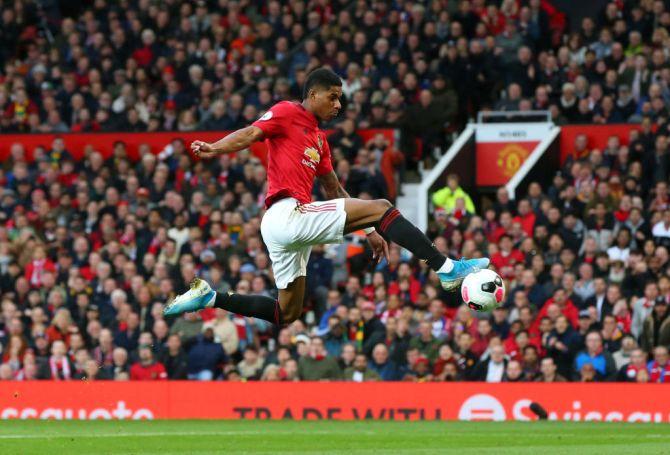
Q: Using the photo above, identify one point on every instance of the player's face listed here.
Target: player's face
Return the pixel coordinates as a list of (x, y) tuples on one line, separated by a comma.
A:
[(326, 103)]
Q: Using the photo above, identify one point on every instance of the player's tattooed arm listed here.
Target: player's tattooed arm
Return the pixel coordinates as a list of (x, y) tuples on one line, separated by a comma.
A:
[(332, 187), (234, 142)]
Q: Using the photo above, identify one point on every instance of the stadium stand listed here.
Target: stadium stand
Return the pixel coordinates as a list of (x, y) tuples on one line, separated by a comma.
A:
[(92, 245)]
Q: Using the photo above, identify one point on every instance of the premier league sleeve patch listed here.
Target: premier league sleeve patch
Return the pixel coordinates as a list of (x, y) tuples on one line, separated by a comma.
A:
[(265, 117)]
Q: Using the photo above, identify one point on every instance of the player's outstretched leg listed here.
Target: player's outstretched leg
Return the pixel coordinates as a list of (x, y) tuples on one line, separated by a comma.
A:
[(283, 311), (390, 223), (201, 296)]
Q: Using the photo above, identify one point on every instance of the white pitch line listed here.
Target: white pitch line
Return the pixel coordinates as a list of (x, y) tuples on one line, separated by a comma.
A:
[(155, 434), (279, 433)]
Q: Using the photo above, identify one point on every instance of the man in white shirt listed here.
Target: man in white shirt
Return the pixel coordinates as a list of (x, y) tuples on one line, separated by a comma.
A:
[(662, 228), (620, 251), (493, 368)]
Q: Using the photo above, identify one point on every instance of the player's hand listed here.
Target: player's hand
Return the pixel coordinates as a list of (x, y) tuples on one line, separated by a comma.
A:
[(202, 149), (379, 246)]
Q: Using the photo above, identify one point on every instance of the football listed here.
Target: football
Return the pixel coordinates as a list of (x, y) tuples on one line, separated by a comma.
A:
[(483, 290)]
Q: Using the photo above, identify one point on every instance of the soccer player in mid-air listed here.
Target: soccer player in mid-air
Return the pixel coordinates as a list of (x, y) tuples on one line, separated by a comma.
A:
[(297, 152)]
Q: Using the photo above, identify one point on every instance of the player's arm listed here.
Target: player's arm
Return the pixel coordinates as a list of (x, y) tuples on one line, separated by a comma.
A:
[(234, 142), (331, 185)]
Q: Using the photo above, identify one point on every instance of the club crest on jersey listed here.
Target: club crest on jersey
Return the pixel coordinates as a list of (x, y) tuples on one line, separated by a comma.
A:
[(312, 157)]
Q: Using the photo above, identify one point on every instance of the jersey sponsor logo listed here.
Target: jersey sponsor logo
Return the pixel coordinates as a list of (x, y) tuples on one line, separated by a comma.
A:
[(266, 116), (312, 157)]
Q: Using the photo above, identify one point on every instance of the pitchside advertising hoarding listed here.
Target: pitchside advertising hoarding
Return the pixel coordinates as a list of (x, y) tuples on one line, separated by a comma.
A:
[(503, 147), (333, 401), (80, 144)]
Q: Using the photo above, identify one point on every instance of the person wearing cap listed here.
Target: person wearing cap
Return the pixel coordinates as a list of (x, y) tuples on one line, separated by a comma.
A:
[(146, 368), (420, 370), (656, 328), (301, 342)]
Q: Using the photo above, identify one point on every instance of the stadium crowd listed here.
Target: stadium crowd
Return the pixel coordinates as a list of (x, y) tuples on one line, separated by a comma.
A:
[(92, 249)]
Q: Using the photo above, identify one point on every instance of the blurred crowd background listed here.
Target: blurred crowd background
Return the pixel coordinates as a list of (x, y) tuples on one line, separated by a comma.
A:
[(91, 249)]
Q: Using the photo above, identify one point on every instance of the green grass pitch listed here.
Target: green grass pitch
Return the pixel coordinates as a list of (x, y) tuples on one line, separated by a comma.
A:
[(327, 437)]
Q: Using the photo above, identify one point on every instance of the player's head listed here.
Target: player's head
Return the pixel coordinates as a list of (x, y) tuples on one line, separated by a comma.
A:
[(323, 89)]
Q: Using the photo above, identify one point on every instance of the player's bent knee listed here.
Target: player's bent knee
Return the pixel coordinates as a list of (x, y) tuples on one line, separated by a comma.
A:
[(383, 205)]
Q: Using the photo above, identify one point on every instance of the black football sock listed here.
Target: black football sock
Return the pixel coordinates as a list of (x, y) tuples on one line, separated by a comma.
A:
[(256, 306), (395, 227)]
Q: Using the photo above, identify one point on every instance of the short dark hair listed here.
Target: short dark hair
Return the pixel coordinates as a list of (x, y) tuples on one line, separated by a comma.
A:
[(322, 78)]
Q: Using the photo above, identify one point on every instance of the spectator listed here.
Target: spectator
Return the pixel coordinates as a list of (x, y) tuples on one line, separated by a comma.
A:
[(205, 356), (58, 366), (346, 140), (147, 369), (360, 371), (629, 371), (493, 368), (251, 365), (174, 358), (643, 307), (382, 365), (659, 368), (224, 330), (335, 338), (119, 369), (425, 342), (594, 355), (419, 370), (271, 373), (623, 355), (513, 372), (548, 372), (446, 197), (187, 327), (317, 365), (656, 328)]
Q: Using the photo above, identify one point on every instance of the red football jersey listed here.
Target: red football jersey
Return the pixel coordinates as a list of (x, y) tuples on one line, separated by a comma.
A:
[(297, 151), (154, 372)]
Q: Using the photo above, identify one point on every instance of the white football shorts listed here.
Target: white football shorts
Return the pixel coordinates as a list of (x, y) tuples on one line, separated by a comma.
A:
[(290, 228)]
